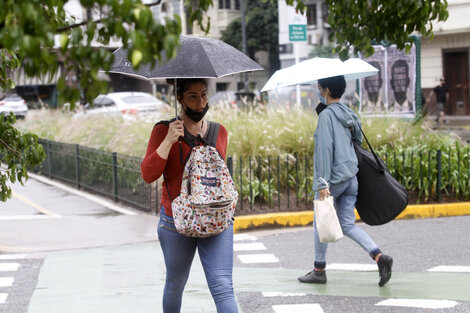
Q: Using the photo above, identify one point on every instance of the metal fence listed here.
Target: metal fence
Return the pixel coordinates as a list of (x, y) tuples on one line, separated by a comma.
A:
[(264, 184), (107, 173)]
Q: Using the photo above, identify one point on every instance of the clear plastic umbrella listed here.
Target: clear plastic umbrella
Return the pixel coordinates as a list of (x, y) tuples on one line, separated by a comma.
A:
[(312, 70)]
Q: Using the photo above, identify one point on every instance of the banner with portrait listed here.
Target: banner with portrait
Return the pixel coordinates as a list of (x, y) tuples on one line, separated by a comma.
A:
[(392, 91)]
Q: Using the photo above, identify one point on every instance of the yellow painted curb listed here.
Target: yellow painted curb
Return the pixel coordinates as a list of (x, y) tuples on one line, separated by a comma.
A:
[(304, 218)]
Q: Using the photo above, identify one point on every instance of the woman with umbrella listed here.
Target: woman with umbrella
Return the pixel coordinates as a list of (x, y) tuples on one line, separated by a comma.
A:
[(165, 154), (336, 166)]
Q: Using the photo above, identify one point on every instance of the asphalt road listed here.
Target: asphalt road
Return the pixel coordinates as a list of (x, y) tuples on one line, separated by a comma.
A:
[(63, 252), (424, 252)]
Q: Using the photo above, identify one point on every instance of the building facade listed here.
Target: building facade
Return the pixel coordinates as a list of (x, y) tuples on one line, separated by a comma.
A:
[(317, 31), (447, 55)]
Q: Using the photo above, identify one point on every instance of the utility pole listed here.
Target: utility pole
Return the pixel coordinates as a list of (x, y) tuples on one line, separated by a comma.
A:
[(244, 75)]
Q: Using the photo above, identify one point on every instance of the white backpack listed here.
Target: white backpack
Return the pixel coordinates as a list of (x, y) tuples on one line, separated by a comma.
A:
[(206, 204)]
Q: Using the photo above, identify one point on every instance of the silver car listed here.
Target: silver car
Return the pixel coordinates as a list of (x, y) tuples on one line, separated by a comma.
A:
[(126, 104), (12, 102)]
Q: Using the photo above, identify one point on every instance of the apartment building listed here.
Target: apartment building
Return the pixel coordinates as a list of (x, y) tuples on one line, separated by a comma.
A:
[(447, 55)]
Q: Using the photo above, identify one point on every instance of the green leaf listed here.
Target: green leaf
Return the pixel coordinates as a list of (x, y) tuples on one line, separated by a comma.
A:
[(137, 57), (64, 41)]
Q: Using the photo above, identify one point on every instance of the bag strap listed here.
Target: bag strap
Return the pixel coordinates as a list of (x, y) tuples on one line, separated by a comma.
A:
[(212, 134), (379, 164), (209, 139)]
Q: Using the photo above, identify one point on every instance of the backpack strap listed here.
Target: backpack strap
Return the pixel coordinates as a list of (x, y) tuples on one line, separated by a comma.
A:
[(212, 134), (167, 122), (210, 139)]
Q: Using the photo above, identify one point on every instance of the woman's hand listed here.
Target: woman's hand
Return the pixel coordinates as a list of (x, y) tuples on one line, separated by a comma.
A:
[(175, 131), (324, 193)]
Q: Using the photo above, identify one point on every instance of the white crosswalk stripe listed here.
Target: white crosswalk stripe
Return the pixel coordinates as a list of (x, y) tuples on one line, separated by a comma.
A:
[(450, 269), (252, 246), (241, 237), (28, 217), (298, 308), (419, 303), (3, 297), (255, 246), (12, 256), (258, 258), (275, 294), (9, 267), (6, 281)]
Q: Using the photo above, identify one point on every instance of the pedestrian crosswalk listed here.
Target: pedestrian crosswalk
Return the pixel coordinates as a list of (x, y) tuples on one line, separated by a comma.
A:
[(450, 269), (251, 251), (8, 268), (419, 303), (298, 308), (252, 246)]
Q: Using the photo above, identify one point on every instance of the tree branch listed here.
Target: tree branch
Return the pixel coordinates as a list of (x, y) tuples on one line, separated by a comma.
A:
[(64, 29), (9, 148)]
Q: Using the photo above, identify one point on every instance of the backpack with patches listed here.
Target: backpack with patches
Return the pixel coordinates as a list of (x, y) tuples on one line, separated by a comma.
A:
[(208, 197)]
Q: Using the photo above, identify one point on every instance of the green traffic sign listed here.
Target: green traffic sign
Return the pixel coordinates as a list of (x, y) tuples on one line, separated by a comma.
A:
[(298, 32)]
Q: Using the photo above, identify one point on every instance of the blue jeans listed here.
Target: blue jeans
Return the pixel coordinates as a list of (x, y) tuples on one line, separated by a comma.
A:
[(345, 195), (216, 254)]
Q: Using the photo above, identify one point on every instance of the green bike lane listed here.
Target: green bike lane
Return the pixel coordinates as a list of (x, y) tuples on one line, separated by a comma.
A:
[(130, 278)]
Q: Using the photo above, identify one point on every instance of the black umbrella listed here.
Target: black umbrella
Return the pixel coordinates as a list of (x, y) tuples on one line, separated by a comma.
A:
[(197, 58)]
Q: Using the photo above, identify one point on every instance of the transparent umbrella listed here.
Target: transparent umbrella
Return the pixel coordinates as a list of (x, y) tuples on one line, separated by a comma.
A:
[(312, 70)]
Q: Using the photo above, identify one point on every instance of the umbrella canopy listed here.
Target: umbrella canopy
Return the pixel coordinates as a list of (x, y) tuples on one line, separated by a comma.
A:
[(197, 58), (312, 70)]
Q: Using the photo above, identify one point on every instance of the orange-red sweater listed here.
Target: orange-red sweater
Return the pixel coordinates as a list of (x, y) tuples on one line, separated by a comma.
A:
[(153, 166)]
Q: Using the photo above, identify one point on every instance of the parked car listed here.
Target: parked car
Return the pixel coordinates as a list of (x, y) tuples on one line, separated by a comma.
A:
[(126, 103), (234, 99), (12, 102), (287, 96)]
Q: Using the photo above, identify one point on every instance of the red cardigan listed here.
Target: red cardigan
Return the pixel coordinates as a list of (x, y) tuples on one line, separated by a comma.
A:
[(153, 166)]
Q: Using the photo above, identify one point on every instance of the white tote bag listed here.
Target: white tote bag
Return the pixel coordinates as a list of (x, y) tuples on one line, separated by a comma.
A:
[(328, 227)]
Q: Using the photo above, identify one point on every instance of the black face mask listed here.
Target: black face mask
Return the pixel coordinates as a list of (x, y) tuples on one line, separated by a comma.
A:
[(320, 107), (196, 116)]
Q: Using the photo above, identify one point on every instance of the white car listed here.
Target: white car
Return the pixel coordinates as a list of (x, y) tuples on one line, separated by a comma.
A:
[(13, 103), (127, 103)]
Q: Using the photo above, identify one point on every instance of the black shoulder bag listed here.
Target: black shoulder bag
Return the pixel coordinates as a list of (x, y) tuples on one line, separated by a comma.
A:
[(381, 197)]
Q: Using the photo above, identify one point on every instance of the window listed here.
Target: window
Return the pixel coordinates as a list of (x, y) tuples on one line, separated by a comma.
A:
[(286, 48), (312, 14), (221, 86), (224, 4), (237, 4)]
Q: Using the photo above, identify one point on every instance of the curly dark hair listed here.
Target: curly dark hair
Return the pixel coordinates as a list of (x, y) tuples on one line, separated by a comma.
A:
[(336, 85)]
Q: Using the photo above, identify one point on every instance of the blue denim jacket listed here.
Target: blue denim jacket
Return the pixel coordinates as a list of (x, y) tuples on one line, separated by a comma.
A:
[(334, 156)]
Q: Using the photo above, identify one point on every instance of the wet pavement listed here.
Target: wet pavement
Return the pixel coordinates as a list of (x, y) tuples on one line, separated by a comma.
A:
[(76, 254)]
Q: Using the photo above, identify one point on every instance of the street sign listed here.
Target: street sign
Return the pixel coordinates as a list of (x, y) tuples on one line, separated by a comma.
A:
[(297, 25), (298, 32)]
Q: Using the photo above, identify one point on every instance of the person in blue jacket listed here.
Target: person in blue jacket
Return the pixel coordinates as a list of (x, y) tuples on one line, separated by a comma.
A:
[(335, 169)]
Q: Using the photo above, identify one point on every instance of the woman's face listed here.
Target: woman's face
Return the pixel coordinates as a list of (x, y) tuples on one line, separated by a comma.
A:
[(195, 97)]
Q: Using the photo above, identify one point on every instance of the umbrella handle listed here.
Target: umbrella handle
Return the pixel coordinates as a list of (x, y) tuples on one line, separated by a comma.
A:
[(176, 100)]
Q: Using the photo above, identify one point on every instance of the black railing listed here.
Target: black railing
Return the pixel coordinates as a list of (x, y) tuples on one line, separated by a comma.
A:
[(110, 174), (264, 184)]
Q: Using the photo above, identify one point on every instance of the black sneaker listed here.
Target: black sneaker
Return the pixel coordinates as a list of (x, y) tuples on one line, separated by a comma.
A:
[(314, 277), (385, 269)]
